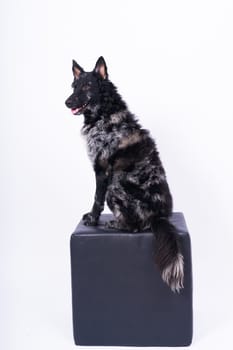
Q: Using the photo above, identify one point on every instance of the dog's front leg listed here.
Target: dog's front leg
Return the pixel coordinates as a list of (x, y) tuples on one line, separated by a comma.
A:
[(91, 218)]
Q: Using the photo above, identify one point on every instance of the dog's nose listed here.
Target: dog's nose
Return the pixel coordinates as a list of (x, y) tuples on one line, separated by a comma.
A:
[(68, 103)]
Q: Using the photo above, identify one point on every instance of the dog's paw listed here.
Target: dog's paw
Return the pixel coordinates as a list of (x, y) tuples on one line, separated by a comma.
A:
[(112, 224), (90, 220)]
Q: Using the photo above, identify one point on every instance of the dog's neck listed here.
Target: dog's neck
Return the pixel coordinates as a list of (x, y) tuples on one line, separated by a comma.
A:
[(109, 107)]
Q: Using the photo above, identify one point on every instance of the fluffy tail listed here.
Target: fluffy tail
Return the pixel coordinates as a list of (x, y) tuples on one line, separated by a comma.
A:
[(168, 256)]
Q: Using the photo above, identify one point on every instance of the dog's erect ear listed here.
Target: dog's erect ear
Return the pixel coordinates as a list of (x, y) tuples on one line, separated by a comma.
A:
[(101, 68), (77, 70)]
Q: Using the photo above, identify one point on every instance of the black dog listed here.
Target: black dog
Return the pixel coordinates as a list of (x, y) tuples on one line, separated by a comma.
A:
[(129, 173)]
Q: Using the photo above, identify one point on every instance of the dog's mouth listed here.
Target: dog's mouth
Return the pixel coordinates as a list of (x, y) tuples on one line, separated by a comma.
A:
[(79, 110)]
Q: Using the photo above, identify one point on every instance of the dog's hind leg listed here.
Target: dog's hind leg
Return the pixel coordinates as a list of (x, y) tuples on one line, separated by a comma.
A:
[(124, 210), (118, 223)]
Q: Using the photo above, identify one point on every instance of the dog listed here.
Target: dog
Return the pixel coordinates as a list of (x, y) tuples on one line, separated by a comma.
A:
[(128, 170)]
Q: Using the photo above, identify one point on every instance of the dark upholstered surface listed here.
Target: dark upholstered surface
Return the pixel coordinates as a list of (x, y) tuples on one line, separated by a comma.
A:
[(118, 295)]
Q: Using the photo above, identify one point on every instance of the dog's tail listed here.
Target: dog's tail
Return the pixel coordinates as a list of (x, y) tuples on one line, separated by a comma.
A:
[(168, 256)]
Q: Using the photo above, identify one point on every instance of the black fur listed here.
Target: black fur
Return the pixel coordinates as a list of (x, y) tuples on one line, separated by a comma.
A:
[(129, 172)]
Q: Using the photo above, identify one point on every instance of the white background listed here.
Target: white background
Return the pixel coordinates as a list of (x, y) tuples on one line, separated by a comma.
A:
[(173, 64)]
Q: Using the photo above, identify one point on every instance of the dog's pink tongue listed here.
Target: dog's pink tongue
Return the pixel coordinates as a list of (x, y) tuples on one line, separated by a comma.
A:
[(74, 111)]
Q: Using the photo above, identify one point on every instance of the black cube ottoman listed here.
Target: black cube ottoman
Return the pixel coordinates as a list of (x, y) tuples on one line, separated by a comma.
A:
[(118, 295)]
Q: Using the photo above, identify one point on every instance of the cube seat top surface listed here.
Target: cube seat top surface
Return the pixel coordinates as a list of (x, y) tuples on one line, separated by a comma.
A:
[(176, 219), (119, 298)]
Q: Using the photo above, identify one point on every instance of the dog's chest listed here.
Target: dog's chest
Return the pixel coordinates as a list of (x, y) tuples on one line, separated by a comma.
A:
[(100, 142)]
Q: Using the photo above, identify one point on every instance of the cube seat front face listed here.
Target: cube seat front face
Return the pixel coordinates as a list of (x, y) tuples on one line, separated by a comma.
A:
[(119, 298)]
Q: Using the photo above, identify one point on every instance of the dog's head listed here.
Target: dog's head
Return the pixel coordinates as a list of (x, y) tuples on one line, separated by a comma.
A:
[(86, 87)]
